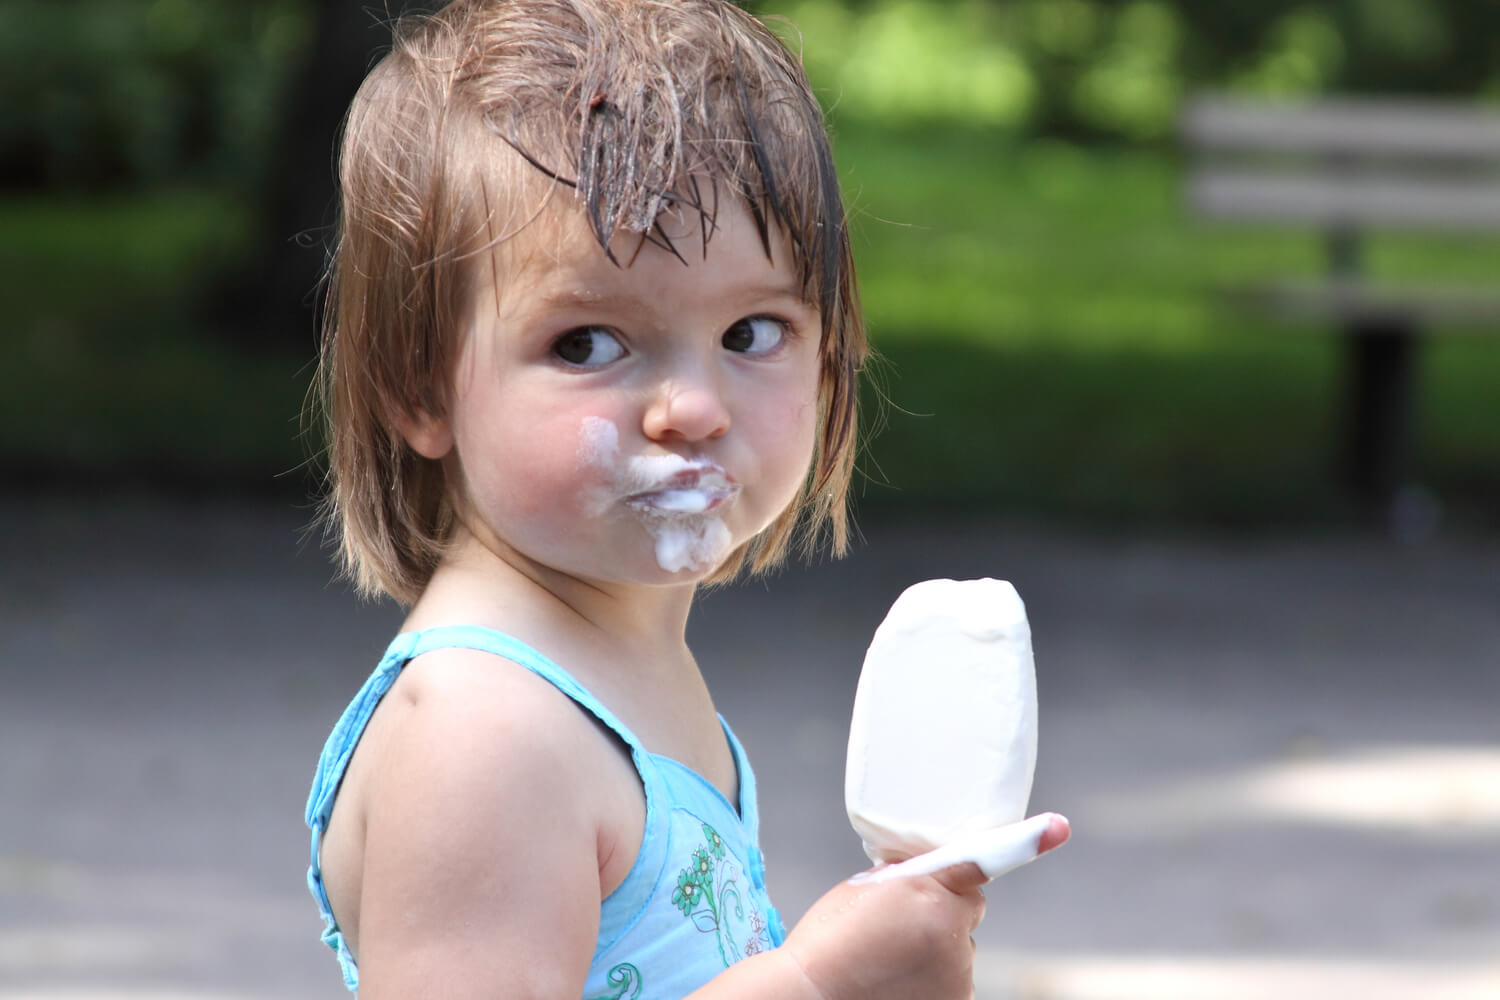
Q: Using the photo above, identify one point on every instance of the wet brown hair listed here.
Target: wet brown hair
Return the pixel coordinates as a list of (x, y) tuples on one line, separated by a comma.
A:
[(627, 106)]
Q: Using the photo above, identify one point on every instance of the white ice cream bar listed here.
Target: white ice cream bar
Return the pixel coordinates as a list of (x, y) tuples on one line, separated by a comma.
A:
[(943, 739)]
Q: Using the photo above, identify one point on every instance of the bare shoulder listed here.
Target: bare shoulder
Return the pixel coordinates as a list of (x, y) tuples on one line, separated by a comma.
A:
[(482, 807), (489, 706), (489, 742)]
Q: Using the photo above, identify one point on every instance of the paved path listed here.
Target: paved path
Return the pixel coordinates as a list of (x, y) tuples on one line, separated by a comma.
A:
[(1281, 756)]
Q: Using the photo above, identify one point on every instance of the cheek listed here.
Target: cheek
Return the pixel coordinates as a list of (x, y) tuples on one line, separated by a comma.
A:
[(800, 430), (802, 416), (566, 464), (788, 434), (597, 460), (537, 469)]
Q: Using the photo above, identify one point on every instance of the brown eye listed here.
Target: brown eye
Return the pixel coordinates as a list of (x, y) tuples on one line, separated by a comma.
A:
[(754, 335), (588, 347)]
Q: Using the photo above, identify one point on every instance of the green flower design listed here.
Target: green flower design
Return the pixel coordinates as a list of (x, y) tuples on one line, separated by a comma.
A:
[(685, 897), (708, 894), (715, 842), (626, 980)]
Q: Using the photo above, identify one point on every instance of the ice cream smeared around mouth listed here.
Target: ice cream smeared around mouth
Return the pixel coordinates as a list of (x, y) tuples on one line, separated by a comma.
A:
[(693, 488), (598, 441), (684, 501), (676, 497)]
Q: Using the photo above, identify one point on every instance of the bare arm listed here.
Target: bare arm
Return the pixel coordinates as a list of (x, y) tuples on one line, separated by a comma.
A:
[(479, 878)]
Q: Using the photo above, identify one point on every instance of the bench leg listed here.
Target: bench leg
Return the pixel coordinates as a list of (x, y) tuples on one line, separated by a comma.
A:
[(1381, 388)]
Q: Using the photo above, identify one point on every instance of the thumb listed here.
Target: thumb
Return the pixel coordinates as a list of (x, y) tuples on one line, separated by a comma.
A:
[(976, 858), (961, 878)]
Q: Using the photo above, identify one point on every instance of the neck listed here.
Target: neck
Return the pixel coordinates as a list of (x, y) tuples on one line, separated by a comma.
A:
[(483, 582), (626, 643)]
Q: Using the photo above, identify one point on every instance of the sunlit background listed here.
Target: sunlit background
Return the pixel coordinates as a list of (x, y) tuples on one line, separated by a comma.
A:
[(1015, 176), (1275, 692)]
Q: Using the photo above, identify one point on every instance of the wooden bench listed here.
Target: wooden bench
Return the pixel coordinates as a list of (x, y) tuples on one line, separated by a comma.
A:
[(1348, 166)]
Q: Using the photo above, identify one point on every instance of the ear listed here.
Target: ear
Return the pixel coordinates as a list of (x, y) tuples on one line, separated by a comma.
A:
[(427, 435)]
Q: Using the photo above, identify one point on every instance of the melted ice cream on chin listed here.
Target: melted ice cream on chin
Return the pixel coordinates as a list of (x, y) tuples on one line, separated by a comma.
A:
[(698, 543), (674, 497)]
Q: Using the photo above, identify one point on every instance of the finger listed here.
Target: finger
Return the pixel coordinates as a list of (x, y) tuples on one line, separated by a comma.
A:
[(962, 879), (991, 853), (1057, 833)]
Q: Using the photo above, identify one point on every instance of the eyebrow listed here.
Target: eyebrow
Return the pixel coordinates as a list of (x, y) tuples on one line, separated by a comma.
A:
[(573, 296), (576, 297)]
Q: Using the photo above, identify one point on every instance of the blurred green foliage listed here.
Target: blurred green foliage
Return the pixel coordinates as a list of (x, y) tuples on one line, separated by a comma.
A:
[(99, 93), (108, 93), (1119, 70), (108, 374), (1048, 318)]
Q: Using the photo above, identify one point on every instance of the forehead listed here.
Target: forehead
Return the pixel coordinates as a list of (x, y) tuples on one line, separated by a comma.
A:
[(549, 239)]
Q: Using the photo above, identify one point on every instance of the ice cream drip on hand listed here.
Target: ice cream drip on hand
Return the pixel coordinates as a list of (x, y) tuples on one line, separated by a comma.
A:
[(942, 745), (675, 497)]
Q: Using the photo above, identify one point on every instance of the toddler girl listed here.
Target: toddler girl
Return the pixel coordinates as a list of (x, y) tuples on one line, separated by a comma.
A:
[(592, 342)]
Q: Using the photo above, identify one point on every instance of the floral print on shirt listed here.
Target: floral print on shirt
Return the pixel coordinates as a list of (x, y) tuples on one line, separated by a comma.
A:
[(708, 893)]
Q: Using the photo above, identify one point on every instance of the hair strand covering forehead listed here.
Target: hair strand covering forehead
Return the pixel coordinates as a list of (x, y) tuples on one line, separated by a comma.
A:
[(630, 102)]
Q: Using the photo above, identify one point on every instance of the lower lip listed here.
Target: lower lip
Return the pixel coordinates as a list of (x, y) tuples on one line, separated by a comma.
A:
[(681, 502)]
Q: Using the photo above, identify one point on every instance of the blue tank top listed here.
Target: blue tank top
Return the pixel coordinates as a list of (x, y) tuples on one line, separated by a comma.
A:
[(693, 903)]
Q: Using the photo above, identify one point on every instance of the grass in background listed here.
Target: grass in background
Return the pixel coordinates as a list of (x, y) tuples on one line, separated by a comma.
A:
[(1051, 334), (1057, 341), (108, 378)]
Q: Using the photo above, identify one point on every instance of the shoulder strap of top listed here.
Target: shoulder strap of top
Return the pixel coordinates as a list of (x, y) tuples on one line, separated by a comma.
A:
[(748, 806), (500, 644), (409, 645)]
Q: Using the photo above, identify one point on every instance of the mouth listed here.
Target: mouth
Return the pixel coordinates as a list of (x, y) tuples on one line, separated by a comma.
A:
[(687, 493)]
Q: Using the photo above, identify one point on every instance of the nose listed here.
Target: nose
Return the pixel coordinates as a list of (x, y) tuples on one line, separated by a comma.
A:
[(686, 409)]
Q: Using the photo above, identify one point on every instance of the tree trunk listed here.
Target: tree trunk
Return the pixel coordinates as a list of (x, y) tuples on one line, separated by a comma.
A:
[(273, 306)]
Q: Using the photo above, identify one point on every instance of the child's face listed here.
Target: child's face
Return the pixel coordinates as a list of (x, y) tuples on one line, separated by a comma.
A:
[(632, 423)]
